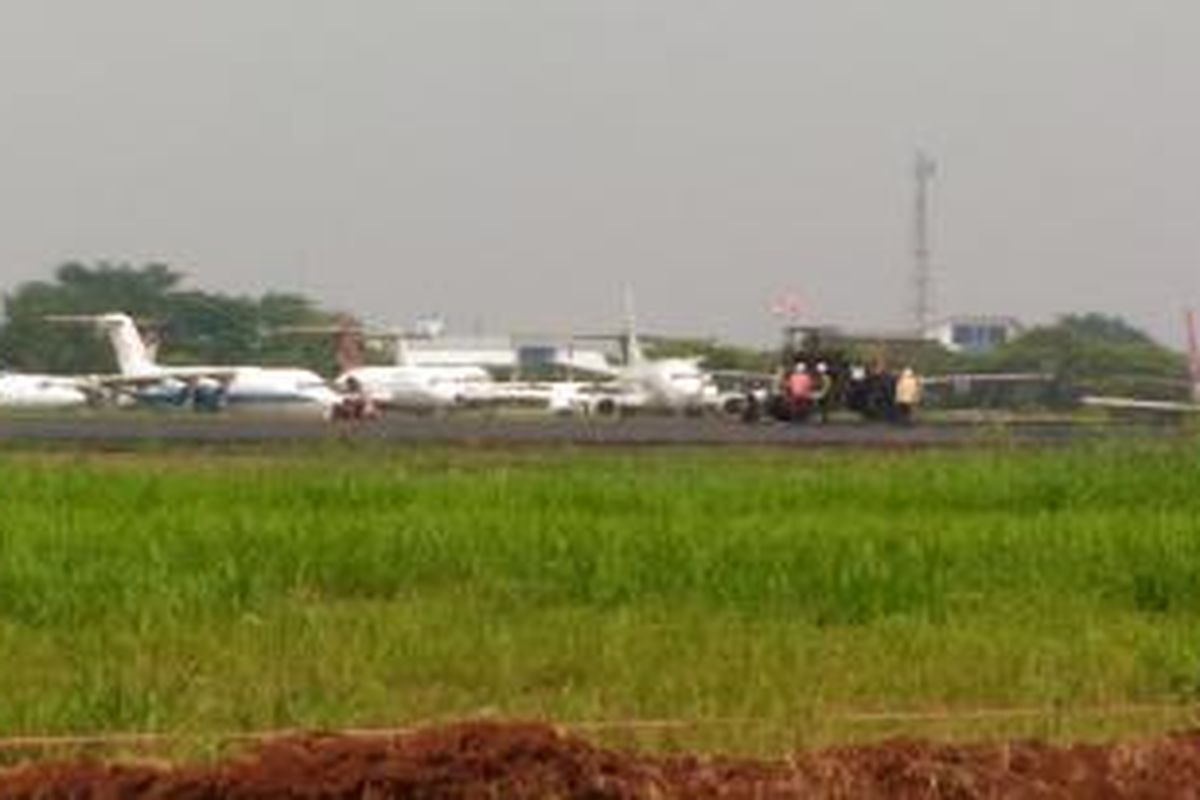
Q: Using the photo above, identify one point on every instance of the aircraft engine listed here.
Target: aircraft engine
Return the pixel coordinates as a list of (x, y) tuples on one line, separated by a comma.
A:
[(733, 405), (605, 407), (208, 396), (161, 395)]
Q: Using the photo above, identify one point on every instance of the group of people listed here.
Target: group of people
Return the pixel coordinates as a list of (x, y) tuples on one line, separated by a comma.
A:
[(807, 390), (814, 388), (881, 394)]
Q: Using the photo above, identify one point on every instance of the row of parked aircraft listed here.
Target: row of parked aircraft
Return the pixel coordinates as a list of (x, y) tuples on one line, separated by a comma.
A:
[(674, 384)]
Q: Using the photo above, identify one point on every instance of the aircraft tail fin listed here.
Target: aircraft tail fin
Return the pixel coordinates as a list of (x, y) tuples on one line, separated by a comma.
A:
[(348, 345), (633, 346), (403, 356), (134, 356)]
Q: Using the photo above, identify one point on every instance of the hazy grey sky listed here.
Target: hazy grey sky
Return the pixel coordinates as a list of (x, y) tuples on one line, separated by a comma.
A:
[(511, 164)]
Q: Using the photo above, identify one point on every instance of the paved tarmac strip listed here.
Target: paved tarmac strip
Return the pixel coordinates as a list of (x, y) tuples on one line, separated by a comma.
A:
[(501, 430)]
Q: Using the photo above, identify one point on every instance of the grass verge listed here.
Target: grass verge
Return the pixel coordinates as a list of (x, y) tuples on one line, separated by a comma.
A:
[(763, 597)]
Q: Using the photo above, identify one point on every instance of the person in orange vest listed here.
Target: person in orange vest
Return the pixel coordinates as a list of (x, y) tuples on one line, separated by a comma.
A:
[(908, 394)]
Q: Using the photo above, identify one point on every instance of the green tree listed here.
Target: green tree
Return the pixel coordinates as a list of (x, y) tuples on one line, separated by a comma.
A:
[(278, 310), (194, 326), (28, 342), (1094, 353)]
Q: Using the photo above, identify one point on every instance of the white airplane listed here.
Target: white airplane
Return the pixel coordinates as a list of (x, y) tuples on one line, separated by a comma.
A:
[(43, 392), (676, 385), (403, 385), (273, 389), (419, 387)]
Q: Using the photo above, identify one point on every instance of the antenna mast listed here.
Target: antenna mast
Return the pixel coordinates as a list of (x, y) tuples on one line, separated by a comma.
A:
[(1193, 353), (923, 173)]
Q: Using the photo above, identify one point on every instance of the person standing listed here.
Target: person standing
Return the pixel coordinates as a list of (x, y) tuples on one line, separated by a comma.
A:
[(756, 396), (908, 394), (822, 391), (799, 392)]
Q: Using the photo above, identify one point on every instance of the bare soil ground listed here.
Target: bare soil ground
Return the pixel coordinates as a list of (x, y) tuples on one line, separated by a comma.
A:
[(518, 760)]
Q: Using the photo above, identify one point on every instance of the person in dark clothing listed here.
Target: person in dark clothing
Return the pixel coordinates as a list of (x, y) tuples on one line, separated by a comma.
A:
[(752, 409), (879, 392), (822, 391), (856, 390)]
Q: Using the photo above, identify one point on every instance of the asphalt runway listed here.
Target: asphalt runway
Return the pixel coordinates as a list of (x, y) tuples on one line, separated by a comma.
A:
[(481, 430)]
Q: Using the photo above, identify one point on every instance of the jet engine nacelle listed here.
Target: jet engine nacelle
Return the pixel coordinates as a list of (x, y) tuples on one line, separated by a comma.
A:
[(733, 404), (208, 396), (604, 407)]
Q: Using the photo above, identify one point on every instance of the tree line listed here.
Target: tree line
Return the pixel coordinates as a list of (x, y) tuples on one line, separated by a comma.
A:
[(193, 326)]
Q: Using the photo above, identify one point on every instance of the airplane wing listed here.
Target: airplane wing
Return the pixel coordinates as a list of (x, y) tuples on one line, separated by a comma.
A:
[(181, 374), (589, 362), (966, 379), (221, 374), (741, 375), (1133, 404)]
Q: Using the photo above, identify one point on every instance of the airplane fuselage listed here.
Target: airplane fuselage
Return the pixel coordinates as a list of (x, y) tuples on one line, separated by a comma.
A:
[(669, 384), (247, 389), (421, 387), (40, 392)]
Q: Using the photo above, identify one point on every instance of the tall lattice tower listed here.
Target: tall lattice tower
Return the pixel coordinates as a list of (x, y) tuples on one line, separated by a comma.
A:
[(924, 170)]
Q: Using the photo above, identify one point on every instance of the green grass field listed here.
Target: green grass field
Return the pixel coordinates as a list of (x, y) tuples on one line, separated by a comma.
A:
[(765, 595)]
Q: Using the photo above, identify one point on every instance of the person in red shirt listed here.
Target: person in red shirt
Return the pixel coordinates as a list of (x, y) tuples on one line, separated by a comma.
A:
[(799, 390)]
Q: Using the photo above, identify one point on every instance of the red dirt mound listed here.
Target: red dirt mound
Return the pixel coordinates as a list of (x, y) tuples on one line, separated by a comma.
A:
[(494, 760)]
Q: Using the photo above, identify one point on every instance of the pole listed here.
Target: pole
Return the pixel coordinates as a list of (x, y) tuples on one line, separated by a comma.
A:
[(925, 168)]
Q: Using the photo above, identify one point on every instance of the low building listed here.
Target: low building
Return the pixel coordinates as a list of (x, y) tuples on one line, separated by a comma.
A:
[(458, 351), (974, 333), (526, 354)]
